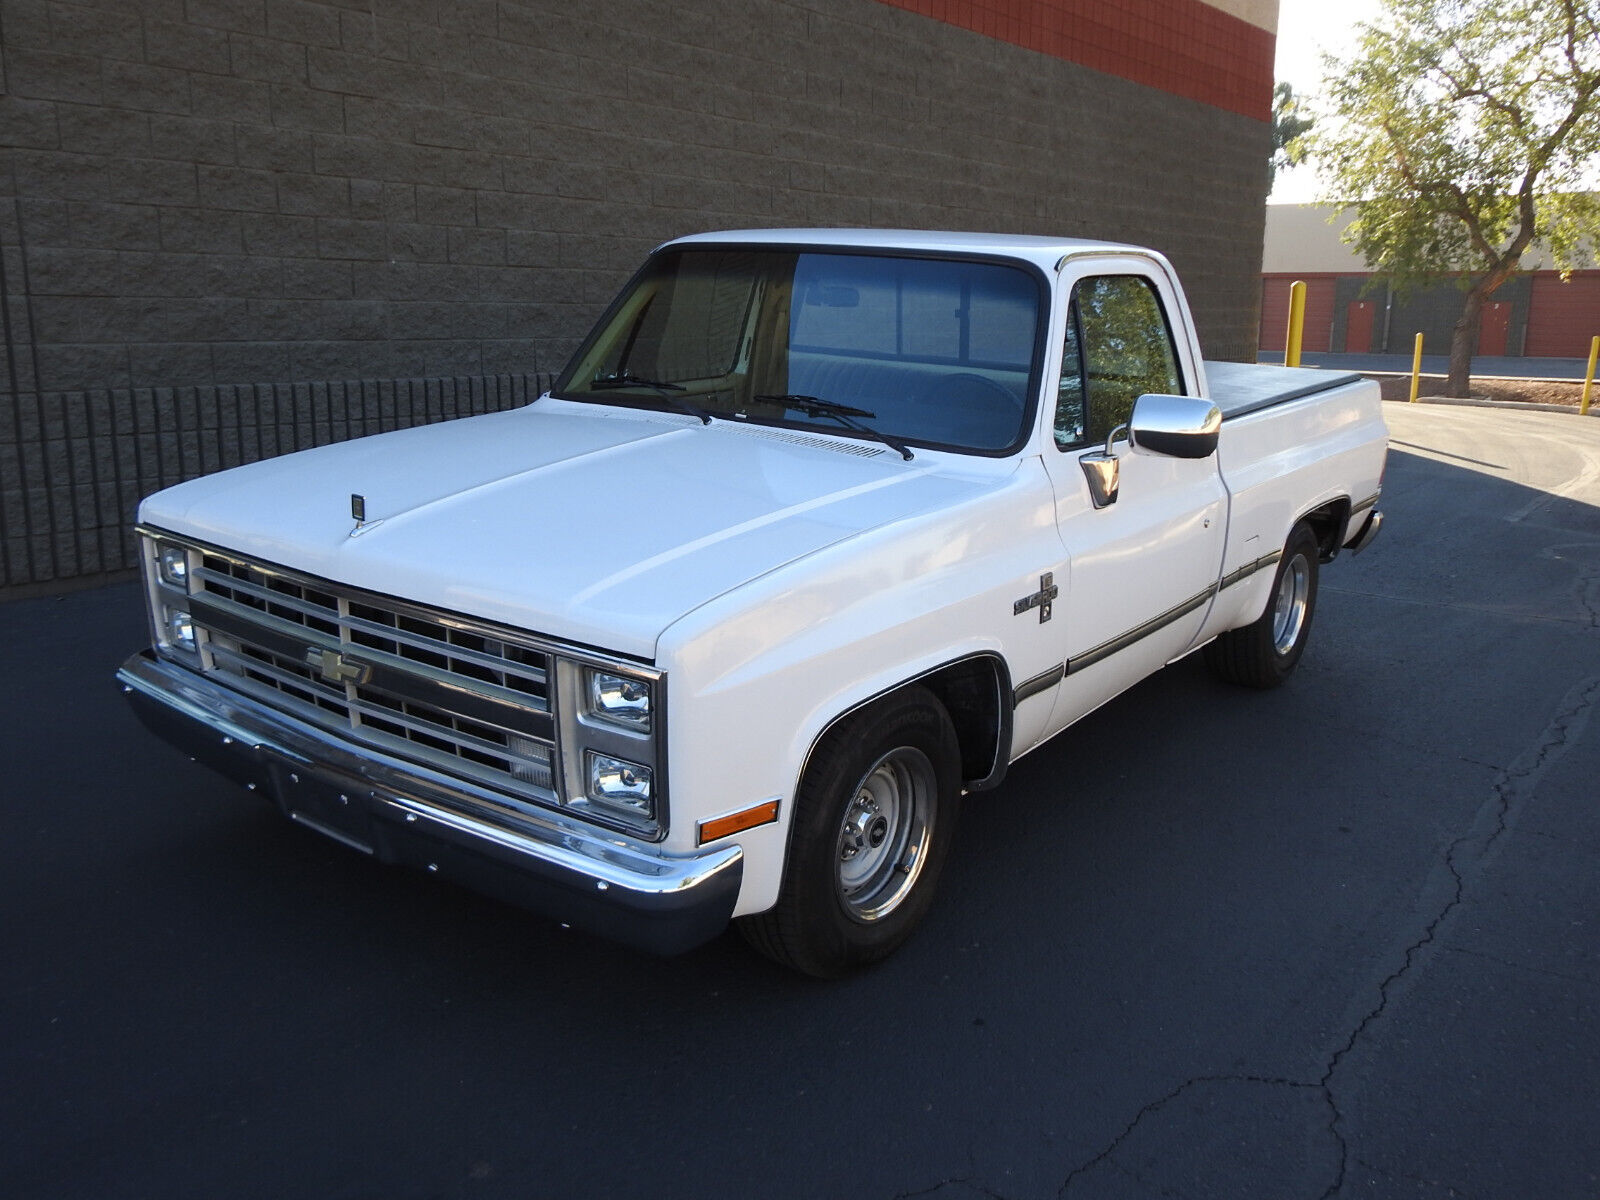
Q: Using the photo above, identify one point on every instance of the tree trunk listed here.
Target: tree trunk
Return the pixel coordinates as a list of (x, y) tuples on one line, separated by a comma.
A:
[(1463, 341)]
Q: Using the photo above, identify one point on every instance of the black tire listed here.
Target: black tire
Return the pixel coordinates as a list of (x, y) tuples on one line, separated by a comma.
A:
[(873, 822), (1264, 653)]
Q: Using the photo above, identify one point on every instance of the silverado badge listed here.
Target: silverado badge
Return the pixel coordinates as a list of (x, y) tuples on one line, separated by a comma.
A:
[(1041, 599)]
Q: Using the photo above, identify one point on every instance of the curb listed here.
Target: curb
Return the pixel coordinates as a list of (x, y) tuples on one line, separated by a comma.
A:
[(1577, 379), (1594, 410)]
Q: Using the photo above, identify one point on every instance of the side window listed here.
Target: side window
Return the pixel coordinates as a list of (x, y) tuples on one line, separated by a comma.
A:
[(1118, 347), (1069, 392)]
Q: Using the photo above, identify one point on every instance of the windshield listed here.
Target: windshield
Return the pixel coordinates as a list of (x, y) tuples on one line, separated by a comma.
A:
[(936, 352)]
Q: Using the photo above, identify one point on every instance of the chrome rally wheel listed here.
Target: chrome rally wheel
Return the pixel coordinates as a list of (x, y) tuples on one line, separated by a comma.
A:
[(1289, 608), (1265, 653), (883, 837), (873, 820)]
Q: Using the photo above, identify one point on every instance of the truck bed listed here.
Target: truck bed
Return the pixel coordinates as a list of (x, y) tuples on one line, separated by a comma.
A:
[(1239, 388)]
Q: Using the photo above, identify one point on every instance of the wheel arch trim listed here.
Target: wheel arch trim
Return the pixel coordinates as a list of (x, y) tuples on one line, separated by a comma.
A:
[(988, 664), (1329, 519)]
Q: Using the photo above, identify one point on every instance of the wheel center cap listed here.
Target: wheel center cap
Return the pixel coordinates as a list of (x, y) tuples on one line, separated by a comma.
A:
[(865, 828), (877, 831)]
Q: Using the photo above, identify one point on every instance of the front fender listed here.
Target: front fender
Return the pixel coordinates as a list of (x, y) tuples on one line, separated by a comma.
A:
[(760, 675)]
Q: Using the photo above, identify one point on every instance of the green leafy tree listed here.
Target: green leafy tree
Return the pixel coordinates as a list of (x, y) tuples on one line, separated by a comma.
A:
[(1464, 131), (1290, 123)]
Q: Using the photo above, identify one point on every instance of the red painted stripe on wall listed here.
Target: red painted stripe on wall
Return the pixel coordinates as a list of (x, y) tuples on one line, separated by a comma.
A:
[(1179, 46)]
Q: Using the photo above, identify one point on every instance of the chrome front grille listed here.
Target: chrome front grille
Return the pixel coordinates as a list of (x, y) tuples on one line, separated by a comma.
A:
[(427, 685)]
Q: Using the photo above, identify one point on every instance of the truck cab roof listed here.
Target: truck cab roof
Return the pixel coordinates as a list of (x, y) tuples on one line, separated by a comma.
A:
[(1044, 252)]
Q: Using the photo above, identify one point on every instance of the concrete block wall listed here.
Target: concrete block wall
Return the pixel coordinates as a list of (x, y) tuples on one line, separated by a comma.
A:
[(220, 192), (74, 465), (234, 190)]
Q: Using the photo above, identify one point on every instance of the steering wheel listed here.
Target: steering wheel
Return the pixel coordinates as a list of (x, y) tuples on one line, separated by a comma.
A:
[(972, 410)]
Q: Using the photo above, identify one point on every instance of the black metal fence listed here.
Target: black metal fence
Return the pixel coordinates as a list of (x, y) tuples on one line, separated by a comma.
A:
[(74, 465)]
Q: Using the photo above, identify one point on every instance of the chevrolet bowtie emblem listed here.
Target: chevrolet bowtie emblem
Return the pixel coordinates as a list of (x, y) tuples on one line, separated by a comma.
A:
[(336, 668)]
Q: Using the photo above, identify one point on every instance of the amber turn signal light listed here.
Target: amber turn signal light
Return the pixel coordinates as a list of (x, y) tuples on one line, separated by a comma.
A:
[(721, 827)]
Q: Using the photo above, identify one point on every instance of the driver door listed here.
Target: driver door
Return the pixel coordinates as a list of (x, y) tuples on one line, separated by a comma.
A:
[(1144, 566)]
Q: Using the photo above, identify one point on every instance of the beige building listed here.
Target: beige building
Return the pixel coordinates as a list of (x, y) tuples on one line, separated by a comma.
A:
[(1351, 309)]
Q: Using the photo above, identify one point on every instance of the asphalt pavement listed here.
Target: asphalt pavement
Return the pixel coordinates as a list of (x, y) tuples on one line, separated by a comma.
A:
[(1337, 940)]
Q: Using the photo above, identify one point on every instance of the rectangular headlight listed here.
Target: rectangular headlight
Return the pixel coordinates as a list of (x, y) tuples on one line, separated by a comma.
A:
[(625, 787), (611, 726), (619, 699), (172, 562), (178, 626)]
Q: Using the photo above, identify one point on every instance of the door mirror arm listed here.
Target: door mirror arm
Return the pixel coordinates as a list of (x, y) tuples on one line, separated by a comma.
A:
[(1103, 471)]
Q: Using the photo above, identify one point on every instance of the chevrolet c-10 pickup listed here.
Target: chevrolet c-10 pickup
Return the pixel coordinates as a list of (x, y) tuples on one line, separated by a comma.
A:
[(818, 531)]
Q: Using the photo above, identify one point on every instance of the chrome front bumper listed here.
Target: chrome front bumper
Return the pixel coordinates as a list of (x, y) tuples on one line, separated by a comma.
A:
[(411, 816)]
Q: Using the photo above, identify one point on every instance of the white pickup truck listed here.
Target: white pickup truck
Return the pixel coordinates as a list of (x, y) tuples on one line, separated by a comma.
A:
[(818, 531)]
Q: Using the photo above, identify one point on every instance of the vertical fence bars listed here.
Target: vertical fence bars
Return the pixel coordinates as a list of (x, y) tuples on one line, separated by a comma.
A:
[(73, 465)]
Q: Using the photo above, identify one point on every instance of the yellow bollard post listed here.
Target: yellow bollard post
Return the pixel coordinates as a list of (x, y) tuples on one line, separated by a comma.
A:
[(1416, 369), (1588, 380), (1297, 323)]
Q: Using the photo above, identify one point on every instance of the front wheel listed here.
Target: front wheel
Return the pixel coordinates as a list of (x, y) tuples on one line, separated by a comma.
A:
[(873, 822), (1264, 653)]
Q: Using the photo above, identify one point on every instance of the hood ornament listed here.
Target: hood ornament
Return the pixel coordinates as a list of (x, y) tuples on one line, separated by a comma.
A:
[(358, 514)]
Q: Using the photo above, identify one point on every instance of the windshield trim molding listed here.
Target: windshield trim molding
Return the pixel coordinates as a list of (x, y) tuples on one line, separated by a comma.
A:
[(1030, 409)]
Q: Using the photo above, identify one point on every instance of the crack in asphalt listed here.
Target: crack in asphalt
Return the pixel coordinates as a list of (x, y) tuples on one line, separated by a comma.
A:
[(1493, 820), (970, 1181), (1515, 784), (1106, 1155), (961, 1181), (1587, 585)]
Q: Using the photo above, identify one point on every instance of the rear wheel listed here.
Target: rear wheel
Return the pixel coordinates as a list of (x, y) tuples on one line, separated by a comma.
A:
[(1264, 653), (872, 826)]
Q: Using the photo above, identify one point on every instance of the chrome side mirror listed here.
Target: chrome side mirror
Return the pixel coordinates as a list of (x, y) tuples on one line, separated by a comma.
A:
[(1176, 426)]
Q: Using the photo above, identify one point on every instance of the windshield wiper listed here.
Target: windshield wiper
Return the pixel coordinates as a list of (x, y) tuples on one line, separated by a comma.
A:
[(622, 379), (845, 414), (667, 391), (815, 406)]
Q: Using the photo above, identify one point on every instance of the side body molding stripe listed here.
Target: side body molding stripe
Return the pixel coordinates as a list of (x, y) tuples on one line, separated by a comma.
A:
[(1046, 680), (1041, 682), (1249, 569), (1139, 632)]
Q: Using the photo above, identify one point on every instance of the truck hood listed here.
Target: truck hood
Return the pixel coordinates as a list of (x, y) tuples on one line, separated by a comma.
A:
[(596, 525)]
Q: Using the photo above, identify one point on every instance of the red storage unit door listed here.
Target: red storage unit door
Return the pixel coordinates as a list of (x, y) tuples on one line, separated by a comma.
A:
[(1494, 327), (1275, 311), (1318, 332), (1358, 326), (1562, 317)]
